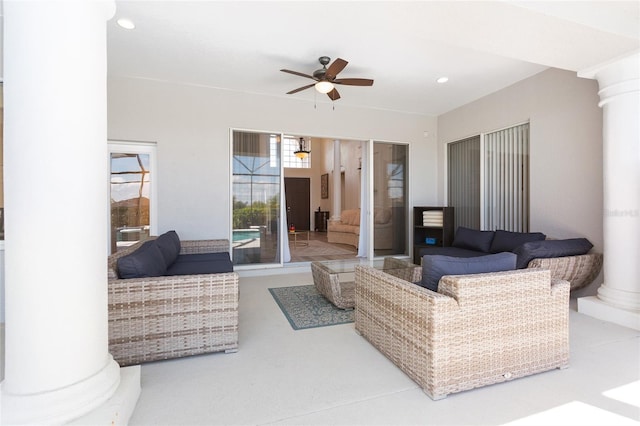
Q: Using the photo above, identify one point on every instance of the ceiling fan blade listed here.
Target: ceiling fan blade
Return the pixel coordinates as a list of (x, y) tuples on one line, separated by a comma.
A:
[(334, 95), (299, 89), (354, 81), (299, 73), (333, 70)]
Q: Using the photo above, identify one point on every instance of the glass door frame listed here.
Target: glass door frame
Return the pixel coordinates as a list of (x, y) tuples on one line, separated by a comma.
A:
[(135, 147), (370, 186), (282, 229), (283, 236)]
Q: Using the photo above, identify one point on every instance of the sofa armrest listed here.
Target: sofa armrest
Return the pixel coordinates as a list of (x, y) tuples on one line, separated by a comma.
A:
[(172, 316), (204, 246), (580, 270)]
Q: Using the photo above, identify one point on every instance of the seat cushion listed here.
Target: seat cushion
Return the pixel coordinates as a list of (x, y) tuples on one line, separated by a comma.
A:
[(146, 261), (551, 248), (202, 263), (435, 267), (473, 239), (169, 245), (450, 251), (508, 241), (203, 257)]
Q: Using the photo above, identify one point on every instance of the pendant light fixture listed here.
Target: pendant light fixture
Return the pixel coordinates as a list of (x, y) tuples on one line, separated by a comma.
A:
[(301, 153)]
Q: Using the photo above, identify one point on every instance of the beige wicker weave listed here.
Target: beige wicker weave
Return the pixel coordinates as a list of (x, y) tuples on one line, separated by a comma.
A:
[(342, 294), (172, 316), (476, 330), (580, 271)]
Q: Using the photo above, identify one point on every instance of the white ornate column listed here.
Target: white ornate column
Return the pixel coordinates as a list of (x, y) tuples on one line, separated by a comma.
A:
[(618, 298), (57, 365), (337, 182)]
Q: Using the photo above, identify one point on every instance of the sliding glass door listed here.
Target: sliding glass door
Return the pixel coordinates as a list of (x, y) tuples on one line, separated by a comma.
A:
[(390, 205), (256, 192)]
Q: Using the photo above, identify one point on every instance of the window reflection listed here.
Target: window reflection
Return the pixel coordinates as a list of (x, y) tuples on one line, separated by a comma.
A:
[(130, 194), (256, 197), (389, 199)]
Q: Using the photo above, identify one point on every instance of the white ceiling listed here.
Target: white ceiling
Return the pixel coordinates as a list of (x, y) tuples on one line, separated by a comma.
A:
[(404, 46)]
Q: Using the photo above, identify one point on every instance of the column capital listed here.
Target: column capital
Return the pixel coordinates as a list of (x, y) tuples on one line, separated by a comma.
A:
[(617, 77)]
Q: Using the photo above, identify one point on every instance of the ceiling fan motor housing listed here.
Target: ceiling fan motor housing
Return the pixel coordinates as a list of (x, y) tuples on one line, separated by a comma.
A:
[(319, 74)]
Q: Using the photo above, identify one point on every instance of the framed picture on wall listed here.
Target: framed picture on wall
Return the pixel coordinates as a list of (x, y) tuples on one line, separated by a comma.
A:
[(324, 185)]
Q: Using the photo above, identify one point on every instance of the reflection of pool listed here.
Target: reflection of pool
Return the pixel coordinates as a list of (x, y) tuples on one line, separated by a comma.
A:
[(245, 234)]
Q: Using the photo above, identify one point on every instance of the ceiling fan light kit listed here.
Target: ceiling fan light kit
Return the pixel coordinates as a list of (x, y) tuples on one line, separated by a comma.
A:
[(324, 86), (326, 78)]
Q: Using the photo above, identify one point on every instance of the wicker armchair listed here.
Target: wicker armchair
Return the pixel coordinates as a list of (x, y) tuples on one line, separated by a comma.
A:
[(476, 330), (342, 294), (579, 270), (172, 316)]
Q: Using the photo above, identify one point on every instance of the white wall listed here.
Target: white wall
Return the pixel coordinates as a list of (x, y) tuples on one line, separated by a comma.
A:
[(565, 149), (191, 127)]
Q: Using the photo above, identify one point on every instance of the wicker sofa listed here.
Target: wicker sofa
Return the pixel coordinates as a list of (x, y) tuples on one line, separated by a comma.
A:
[(477, 330), (163, 317), (567, 259)]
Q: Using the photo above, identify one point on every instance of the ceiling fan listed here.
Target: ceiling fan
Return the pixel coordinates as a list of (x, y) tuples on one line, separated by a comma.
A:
[(325, 78)]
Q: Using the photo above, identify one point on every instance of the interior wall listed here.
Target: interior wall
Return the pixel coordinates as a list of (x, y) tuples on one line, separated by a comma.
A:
[(191, 127), (566, 171)]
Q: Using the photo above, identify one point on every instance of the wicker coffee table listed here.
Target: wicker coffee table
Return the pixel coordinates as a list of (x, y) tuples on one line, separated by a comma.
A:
[(334, 278)]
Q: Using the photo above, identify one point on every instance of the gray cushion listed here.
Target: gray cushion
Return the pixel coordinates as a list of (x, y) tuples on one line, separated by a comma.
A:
[(206, 263), (203, 257), (450, 251), (169, 245), (146, 261), (508, 241), (551, 248), (436, 266), (473, 239)]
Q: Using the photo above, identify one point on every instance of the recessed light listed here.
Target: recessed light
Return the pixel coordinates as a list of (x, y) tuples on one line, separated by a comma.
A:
[(442, 80), (126, 23)]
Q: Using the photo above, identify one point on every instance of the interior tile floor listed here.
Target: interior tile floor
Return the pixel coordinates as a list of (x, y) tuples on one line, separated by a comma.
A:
[(333, 376)]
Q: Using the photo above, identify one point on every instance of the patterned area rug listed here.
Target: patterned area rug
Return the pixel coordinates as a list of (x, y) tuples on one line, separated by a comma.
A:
[(304, 307)]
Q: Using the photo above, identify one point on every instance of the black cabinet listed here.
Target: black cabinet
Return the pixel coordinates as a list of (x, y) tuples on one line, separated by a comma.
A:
[(432, 226), (320, 221)]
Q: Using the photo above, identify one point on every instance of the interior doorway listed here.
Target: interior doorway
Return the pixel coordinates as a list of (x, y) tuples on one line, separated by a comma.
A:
[(298, 202)]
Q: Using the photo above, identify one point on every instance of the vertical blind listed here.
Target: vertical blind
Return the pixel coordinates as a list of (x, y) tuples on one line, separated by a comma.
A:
[(506, 179), (464, 181), (488, 180)]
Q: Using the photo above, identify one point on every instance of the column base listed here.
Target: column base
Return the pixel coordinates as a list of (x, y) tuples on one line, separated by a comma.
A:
[(61, 405), (118, 409), (596, 308)]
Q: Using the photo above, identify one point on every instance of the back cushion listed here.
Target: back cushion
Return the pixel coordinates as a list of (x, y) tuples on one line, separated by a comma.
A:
[(356, 218), (382, 216), (551, 248), (435, 267), (346, 217), (472, 239), (169, 245), (146, 261), (508, 241)]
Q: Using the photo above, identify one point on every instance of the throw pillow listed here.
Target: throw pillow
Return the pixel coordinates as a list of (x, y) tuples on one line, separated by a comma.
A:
[(551, 248), (169, 245), (436, 266), (146, 261), (473, 239), (508, 241)]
